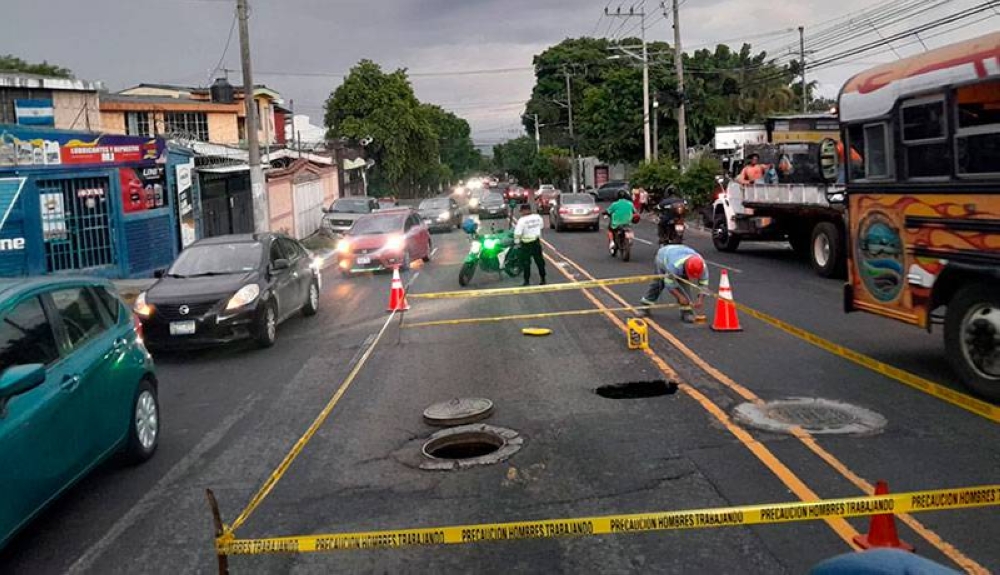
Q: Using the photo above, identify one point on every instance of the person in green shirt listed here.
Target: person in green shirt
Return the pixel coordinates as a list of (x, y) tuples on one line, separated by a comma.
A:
[(620, 212)]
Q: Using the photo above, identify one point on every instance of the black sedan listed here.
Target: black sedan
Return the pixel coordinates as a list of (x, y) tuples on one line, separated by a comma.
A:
[(609, 191), (440, 214), (229, 288), (493, 206)]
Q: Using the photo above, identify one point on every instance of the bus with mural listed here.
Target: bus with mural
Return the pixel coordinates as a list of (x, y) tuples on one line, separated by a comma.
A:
[(923, 199)]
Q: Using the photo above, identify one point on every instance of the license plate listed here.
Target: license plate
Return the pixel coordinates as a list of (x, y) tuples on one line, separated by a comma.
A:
[(679, 227), (580, 212), (363, 261), (182, 327)]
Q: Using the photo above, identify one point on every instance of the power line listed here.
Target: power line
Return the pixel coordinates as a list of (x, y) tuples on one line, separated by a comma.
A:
[(225, 50)]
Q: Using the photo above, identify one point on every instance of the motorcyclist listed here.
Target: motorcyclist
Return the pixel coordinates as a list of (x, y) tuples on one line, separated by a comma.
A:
[(621, 213), (671, 210)]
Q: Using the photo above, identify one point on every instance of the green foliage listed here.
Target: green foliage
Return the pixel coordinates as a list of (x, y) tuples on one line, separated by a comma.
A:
[(698, 181), (10, 63), (520, 158), (657, 176), (454, 138)]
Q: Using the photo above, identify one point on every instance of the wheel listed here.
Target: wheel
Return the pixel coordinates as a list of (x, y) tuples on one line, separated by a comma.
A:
[(799, 241), (560, 227), (430, 248), (595, 227), (722, 239), (972, 338), (405, 267), (552, 224), (266, 326), (144, 424), (826, 252), (465, 274), (512, 266), (312, 300), (627, 252)]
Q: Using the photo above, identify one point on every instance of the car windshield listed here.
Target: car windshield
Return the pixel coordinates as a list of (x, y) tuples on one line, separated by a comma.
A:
[(577, 199), (217, 259), (435, 204), (374, 225), (351, 206), (493, 199)]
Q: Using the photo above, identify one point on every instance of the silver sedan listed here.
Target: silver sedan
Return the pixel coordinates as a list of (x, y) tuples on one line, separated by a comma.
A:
[(574, 210)]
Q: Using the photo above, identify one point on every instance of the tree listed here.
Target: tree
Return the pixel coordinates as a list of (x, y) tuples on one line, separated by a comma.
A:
[(372, 103), (10, 63), (454, 137)]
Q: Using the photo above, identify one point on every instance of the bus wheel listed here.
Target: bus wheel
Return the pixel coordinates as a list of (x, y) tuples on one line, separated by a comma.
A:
[(972, 338), (826, 250)]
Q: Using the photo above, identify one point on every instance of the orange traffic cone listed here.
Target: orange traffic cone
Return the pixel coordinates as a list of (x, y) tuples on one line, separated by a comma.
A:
[(882, 528), (397, 297), (725, 309)]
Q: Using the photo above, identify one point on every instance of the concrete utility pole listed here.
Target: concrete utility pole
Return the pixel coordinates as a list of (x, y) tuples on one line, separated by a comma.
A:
[(682, 144), (641, 14), (656, 130), (802, 64), (572, 138), (261, 217), (538, 136)]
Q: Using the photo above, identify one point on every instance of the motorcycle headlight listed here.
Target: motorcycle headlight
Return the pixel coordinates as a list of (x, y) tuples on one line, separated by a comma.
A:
[(141, 308), (245, 296), (443, 216), (394, 243), (476, 247)]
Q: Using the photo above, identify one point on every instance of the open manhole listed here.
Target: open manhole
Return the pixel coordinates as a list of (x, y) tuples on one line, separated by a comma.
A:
[(458, 411), (817, 416), (470, 445), (637, 389)]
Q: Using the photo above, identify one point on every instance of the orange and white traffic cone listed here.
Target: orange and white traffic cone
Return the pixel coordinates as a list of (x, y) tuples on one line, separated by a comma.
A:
[(397, 297), (882, 528), (725, 307)]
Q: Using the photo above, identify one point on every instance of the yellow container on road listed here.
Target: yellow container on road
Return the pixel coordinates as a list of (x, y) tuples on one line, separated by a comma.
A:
[(638, 334)]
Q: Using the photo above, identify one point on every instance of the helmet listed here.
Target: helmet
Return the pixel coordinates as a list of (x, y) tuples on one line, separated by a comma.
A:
[(469, 226), (624, 195), (694, 267)]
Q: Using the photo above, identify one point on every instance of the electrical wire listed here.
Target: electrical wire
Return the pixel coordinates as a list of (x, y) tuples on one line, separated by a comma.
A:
[(225, 50)]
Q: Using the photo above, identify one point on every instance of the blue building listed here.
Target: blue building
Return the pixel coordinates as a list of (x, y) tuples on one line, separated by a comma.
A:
[(99, 204)]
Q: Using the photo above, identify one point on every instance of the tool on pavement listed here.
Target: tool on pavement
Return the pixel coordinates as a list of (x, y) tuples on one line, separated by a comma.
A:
[(725, 307), (536, 331), (397, 297)]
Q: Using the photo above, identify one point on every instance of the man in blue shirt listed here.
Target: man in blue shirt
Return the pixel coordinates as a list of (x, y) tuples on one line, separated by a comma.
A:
[(684, 275)]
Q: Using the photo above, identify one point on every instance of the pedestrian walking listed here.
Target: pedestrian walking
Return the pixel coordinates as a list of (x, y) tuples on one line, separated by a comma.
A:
[(684, 274), (528, 234)]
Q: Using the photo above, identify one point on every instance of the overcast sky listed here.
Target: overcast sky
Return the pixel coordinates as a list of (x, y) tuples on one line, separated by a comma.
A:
[(125, 42)]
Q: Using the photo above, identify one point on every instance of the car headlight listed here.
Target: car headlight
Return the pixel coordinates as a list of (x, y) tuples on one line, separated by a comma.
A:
[(141, 308), (394, 243), (344, 246), (476, 247), (443, 216), (245, 296)]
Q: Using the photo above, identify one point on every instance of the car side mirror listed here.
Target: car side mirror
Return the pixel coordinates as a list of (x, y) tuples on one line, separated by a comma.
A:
[(280, 264), (158, 274), (829, 160), (21, 378)]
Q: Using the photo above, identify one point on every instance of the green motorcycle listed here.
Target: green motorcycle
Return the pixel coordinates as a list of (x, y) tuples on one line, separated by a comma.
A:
[(493, 252)]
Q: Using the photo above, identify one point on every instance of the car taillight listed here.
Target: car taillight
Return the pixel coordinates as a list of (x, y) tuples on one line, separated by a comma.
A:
[(563, 210), (595, 210), (137, 326)]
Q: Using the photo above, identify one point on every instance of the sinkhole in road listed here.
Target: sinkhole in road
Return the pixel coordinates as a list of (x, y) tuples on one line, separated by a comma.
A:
[(469, 445), (637, 389)]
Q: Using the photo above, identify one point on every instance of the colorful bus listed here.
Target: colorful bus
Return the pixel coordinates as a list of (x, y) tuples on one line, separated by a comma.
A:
[(923, 192)]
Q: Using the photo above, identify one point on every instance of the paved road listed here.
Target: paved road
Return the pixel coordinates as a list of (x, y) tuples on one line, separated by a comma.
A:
[(231, 414)]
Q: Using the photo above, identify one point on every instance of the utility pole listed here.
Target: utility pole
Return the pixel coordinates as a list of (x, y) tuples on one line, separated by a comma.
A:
[(641, 14), (802, 64), (682, 144), (538, 136), (572, 138), (656, 130), (261, 217)]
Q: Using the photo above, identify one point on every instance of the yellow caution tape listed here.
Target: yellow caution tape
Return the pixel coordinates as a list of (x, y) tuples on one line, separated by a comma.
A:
[(496, 292), (499, 318), (982, 496), (536, 331)]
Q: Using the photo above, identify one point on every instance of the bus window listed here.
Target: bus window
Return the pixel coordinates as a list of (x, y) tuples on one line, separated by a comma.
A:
[(925, 138), (856, 143), (876, 151), (977, 137)]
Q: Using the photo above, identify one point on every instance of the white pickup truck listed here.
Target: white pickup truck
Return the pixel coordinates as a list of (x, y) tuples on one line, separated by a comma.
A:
[(811, 217)]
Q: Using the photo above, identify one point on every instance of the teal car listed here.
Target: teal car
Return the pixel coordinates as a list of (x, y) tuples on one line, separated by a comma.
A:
[(76, 387)]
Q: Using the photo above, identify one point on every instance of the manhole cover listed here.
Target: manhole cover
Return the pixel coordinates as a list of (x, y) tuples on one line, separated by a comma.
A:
[(637, 389), (818, 416), (458, 411), (468, 446)]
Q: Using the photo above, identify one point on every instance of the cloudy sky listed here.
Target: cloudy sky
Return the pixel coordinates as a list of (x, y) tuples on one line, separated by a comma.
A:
[(303, 47)]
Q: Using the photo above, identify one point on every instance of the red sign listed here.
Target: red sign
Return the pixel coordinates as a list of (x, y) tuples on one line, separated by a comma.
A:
[(98, 152)]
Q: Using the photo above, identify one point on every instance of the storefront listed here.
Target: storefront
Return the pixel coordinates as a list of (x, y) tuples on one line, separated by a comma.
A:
[(74, 202)]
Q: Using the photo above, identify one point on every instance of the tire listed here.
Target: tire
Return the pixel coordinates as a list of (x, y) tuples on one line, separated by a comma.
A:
[(826, 250), (552, 224), (312, 300), (560, 227), (144, 424), (595, 228), (627, 252), (972, 338), (265, 330), (466, 273), (512, 266), (722, 239), (430, 248)]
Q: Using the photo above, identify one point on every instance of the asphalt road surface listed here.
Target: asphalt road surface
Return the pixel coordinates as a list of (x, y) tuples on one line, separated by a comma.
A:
[(231, 414)]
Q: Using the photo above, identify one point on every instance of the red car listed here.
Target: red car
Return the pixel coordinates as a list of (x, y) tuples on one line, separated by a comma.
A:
[(544, 198), (517, 193), (384, 240)]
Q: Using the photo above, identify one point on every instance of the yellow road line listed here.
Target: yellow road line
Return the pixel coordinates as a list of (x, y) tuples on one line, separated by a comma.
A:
[(500, 318), (803, 436), (497, 292), (742, 515), (279, 471)]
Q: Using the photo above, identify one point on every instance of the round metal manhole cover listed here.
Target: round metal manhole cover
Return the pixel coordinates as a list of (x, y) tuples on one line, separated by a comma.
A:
[(458, 411), (817, 416), (468, 446)]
